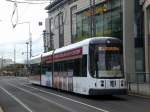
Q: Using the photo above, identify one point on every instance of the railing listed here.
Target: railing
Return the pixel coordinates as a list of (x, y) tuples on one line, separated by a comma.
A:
[(138, 83)]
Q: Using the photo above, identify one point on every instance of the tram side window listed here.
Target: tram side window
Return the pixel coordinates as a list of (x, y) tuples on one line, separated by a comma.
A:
[(44, 68), (49, 66), (92, 60), (70, 65), (65, 66), (56, 67), (35, 70), (84, 66), (77, 67)]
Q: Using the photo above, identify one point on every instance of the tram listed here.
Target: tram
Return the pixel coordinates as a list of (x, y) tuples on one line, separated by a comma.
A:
[(93, 66)]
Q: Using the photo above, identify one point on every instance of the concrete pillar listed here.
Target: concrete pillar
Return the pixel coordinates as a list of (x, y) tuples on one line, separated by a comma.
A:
[(128, 38), (146, 9)]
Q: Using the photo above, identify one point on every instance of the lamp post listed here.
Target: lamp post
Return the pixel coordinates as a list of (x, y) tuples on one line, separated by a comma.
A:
[(27, 63), (30, 36), (92, 19), (27, 55)]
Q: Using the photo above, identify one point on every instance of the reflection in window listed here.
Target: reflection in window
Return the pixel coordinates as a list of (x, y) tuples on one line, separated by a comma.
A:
[(61, 29), (73, 23), (108, 20)]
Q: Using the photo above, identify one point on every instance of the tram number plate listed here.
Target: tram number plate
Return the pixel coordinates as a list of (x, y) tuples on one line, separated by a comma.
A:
[(113, 83)]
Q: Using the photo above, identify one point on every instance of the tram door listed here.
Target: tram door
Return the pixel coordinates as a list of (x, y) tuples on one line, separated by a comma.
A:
[(70, 80), (70, 76)]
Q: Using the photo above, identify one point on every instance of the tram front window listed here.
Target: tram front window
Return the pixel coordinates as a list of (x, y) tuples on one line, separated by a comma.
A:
[(107, 62)]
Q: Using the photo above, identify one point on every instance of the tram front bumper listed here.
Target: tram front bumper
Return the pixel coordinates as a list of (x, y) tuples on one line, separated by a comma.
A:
[(107, 91)]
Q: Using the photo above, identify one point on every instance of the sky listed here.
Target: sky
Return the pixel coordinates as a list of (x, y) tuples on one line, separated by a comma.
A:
[(11, 38)]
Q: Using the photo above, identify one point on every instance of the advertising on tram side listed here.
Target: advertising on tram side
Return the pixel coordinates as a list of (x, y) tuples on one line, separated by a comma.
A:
[(46, 79)]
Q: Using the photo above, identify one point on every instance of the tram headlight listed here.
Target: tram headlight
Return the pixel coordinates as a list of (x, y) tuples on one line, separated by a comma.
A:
[(122, 83), (102, 83)]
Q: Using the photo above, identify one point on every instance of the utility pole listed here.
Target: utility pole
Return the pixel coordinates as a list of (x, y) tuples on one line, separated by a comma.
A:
[(92, 19), (2, 63), (30, 36), (30, 39), (27, 55), (14, 59), (14, 54), (27, 63)]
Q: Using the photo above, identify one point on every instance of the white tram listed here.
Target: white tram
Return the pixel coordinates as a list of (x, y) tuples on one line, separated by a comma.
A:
[(91, 67)]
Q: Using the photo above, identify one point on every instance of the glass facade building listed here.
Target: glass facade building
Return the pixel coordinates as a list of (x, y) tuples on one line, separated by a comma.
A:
[(115, 18), (108, 20), (139, 38)]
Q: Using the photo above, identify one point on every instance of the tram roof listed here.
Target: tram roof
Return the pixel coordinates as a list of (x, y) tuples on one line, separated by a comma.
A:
[(47, 53), (36, 59), (72, 46), (82, 43)]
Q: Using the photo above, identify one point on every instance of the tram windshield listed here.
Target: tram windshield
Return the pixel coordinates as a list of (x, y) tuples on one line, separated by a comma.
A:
[(107, 62)]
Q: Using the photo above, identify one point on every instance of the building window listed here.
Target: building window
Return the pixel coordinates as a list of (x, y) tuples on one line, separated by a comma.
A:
[(51, 34), (45, 41), (73, 23), (108, 18), (83, 27), (61, 29)]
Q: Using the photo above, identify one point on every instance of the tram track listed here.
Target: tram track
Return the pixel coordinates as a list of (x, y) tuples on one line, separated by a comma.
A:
[(39, 93), (37, 100)]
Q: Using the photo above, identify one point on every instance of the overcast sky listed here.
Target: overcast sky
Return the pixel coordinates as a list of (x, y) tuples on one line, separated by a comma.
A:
[(10, 37)]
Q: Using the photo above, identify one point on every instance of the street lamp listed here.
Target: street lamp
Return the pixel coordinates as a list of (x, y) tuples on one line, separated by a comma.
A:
[(30, 37), (92, 18), (27, 60), (27, 55)]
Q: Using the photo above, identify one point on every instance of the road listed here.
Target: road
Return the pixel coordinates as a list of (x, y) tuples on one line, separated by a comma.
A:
[(17, 95)]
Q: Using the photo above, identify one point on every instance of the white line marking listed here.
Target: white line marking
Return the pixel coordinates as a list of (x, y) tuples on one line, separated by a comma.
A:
[(16, 99), (43, 98), (70, 99)]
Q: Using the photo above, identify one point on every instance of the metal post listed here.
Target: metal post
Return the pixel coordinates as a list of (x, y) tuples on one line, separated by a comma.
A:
[(14, 59), (27, 55), (2, 62), (30, 37), (30, 40), (92, 19)]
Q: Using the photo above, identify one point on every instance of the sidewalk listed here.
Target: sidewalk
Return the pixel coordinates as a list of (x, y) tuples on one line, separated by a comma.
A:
[(1, 110), (141, 89)]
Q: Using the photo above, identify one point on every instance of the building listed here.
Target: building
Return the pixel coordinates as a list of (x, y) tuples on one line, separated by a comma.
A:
[(5, 62), (146, 9), (70, 21)]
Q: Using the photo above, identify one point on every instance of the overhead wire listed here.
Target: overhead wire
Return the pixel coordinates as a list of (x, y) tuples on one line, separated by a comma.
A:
[(30, 2), (15, 11)]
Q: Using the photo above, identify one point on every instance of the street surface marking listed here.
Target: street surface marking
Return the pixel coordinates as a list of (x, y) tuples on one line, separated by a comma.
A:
[(43, 98), (16, 99), (70, 99)]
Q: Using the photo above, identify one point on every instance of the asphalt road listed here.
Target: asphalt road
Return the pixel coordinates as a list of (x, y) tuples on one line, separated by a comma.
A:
[(17, 95)]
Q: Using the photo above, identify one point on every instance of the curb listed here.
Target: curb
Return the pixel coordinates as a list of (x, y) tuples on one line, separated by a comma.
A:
[(142, 96), (1, 110)]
